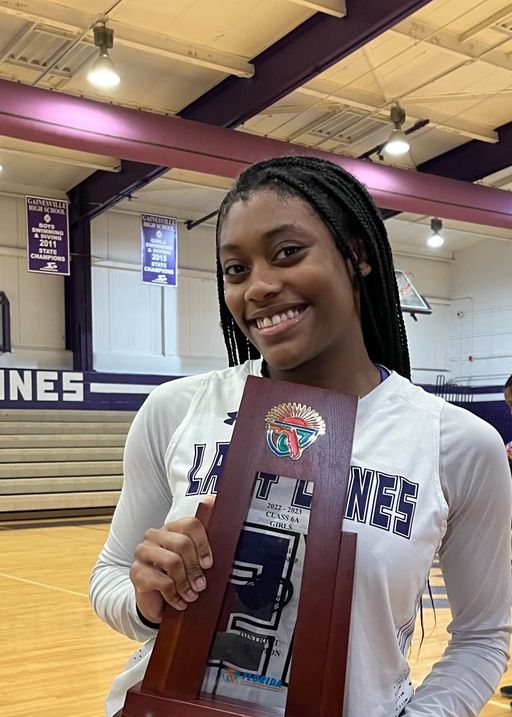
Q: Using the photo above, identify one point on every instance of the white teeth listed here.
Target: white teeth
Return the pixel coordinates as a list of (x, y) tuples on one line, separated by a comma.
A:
[(268, 321)]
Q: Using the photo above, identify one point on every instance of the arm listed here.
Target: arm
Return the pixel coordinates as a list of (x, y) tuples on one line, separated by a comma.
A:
[(144, 503), (475, 561)]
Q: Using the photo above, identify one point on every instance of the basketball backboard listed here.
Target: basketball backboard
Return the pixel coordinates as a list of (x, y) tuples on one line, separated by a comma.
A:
[(411, 301)]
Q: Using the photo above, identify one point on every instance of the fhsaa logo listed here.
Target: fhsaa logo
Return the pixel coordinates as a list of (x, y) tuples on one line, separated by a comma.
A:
[(291, 428), (247, 678)]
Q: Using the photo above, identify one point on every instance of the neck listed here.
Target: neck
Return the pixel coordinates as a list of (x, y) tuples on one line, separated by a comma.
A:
[(354, 377)]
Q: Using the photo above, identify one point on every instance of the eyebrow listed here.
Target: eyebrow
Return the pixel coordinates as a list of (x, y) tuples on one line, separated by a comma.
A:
[(267, 236)]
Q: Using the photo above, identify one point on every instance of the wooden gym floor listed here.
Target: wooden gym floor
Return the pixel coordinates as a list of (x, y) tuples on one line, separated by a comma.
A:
[(57, 658)]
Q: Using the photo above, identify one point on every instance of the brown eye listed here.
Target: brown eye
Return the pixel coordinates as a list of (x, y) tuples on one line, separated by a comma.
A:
[(234, 269), (287, 251)]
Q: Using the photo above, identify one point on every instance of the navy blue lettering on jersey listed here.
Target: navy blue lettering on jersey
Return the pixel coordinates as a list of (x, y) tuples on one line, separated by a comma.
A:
[(206, 484), (209, 485), (384, 501), (194, 483), (406, 506), (361, 482)]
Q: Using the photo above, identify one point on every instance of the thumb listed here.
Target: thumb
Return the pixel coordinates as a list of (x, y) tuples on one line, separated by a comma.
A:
[(204, 509)]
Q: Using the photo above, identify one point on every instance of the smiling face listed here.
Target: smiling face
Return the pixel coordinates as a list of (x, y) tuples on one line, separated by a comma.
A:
[(288, 287)]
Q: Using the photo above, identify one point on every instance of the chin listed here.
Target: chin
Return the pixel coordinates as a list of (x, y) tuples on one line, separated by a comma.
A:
[(282, 363)]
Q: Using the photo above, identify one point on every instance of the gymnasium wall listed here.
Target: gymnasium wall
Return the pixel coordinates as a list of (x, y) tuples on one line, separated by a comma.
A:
[(428, 336), (37, 301), (144, 334), (140, 328), (480, 349)]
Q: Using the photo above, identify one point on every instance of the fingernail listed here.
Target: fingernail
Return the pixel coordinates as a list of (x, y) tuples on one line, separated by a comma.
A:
[(206, 562), (179, 605), (191, 595), (200, 584)]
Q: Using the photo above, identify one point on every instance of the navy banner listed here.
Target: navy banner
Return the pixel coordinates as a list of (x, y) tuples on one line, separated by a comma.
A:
[(47, 236), (56, 389), (159, 250)]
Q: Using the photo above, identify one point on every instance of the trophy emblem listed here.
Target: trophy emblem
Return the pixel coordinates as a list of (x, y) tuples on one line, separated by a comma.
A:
[(291, 428)]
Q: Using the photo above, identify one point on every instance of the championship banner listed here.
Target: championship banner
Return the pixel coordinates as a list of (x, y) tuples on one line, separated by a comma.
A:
[(47, 236), (159, 250)]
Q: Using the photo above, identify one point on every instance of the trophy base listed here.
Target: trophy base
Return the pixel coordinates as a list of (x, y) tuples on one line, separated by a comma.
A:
[(143, 704)]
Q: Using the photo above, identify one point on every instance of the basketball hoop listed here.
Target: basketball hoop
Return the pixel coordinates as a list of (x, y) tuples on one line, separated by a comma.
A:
[(411, 301)]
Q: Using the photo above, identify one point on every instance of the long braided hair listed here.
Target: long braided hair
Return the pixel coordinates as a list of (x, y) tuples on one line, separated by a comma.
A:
[(347, 209)]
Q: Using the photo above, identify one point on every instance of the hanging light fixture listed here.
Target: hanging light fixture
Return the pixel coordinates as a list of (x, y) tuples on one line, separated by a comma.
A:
[(397, 143), (103, 72), (436, 240)]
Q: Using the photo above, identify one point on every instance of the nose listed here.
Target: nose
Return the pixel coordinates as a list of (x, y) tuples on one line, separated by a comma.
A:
[(263, 282)]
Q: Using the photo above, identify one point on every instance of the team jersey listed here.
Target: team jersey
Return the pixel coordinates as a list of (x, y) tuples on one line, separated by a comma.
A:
[(426, 478)]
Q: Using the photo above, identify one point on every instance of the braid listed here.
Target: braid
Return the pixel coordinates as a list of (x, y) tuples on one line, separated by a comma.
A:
[(347, 209)]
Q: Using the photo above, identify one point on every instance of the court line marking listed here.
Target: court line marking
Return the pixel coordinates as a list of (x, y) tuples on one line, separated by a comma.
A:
[(43, 585)]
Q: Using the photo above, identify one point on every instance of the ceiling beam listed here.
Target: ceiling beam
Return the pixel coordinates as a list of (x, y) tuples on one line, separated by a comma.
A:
[(470, 162), (470, 51), (299, 56), (175, 49), (311, 48), (487, 23), (94, 195), (474, 160), (64, 20), (57, 156), (372, 103), (336, 8), (144, 137)]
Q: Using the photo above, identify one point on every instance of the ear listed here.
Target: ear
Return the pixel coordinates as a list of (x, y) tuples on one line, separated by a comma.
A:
[(359, 253)]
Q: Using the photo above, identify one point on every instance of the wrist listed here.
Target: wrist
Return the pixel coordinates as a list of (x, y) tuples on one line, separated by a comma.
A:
[(144, 620)]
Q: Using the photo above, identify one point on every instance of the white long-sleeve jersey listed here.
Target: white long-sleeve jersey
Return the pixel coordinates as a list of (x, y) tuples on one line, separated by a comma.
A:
[(426, 477)]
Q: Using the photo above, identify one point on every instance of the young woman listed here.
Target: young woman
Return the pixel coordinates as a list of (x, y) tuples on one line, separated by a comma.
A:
[(307, 294)]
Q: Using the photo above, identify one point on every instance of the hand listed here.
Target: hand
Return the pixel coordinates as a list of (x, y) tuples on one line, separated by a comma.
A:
[(169, 563)]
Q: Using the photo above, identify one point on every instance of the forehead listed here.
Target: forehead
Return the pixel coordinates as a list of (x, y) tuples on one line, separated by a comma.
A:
[(263, 213)]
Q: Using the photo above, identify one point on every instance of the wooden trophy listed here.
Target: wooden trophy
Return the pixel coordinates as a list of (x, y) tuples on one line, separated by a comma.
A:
[(295, 432)]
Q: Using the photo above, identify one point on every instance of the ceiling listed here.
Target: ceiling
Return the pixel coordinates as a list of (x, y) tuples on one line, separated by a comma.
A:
[(449, 64)]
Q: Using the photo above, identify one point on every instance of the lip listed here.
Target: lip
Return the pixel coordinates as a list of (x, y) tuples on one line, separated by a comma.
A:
[(277, 309), (279, 329)]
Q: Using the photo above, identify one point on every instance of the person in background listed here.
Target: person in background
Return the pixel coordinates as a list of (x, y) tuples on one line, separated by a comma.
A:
[(307, 294)]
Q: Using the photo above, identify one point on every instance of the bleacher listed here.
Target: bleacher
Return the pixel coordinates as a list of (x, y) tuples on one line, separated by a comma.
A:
[(60, 463)]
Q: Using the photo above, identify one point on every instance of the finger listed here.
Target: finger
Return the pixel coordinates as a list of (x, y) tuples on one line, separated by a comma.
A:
[(196, 531), (150, 581), (170, 559), (204, 510)]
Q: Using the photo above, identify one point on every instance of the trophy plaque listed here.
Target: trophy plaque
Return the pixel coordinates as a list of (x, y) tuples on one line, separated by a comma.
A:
[(294, 441)]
